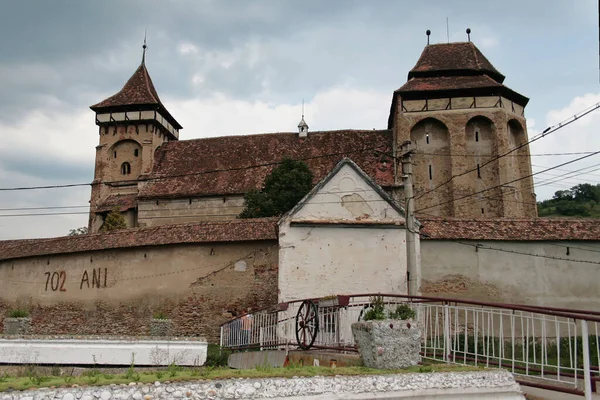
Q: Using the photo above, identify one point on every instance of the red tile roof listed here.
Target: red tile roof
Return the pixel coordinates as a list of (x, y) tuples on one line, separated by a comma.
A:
[(510, 229), (449, 83), (121, 202), (448, 58), (237, 164), (199, 232), (449, 86), (138, 92)]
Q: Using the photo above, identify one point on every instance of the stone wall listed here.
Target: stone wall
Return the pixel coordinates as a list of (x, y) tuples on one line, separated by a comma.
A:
[(447, 145), (513, 274), (116, 292), (154, 212)]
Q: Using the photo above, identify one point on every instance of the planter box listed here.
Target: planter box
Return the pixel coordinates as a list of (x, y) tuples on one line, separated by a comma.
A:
[(388, 344), (160, 327), (17, 326)]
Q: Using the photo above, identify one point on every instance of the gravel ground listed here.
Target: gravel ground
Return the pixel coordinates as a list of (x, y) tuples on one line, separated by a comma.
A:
[(279, 387)]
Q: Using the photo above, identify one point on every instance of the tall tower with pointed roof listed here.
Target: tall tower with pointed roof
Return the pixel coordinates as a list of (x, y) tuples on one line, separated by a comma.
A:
[(460, 117), (132, 124)]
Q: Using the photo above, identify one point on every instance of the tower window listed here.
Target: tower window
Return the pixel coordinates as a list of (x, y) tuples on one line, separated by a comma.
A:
[(427, 138), (430, 173), (478, 171), (135, 152), (477, 136), (125, 168), (115, 154)]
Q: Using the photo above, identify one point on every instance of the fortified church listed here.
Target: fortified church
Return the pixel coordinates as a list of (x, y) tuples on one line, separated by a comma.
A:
[(454, 108), (187, 255)]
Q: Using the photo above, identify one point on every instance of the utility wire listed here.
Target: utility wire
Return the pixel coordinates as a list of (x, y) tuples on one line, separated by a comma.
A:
[(577, 153), (479, 246), (523, 189), (537, 137), (509, 182), (156, 178)]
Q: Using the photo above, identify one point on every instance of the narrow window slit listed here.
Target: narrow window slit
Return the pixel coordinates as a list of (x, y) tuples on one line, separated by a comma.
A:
[(430, 173), (427, 138), (478, 171)]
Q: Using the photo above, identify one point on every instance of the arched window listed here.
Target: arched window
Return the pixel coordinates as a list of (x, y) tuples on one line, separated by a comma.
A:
[(125, 168)]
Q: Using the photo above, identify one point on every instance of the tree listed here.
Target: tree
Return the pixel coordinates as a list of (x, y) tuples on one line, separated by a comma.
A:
[(585, 192), (114, 220), (284, 187), (79, 231), (563, 195)]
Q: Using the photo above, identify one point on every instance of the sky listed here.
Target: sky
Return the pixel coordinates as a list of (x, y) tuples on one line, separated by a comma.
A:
[(225, 67)]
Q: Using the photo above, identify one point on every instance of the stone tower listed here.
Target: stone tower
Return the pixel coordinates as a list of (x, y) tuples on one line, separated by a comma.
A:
[(460, 117), (132, 124)]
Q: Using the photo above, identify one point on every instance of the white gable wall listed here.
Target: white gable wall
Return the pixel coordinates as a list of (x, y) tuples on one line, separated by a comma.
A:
[(347, 196), (345, 239)]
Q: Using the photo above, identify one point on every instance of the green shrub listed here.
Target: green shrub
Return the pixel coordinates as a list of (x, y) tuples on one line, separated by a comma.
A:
[(160, 315), (216, 357), (18, 313), (403, 311), (376, 311)]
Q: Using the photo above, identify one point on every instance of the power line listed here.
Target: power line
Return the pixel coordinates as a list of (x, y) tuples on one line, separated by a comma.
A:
[(513, 181), (577, 153), (40, 208), (156, 178), (480, 246), (541, 135), (566, 170), (553, 180)]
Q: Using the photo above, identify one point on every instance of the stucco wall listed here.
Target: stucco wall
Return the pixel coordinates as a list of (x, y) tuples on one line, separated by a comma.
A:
[(344, 238), (321, 261), (457, 270), (178, 211), (116, 292)]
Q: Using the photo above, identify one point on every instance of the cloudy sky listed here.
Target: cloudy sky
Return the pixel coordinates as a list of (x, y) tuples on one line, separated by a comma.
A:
[(227, 67)]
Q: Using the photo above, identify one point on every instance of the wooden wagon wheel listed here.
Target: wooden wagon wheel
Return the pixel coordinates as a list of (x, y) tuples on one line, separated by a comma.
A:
[(307, 324)]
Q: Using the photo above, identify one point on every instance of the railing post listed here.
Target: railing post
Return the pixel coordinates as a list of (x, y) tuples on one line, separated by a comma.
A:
[(221, 340), (587, 381), (447, 343)]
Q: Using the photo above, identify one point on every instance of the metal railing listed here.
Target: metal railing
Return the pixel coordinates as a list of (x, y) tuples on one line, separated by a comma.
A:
[(551, 348)]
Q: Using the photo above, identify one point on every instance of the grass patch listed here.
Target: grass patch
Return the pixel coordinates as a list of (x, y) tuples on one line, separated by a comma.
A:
[(183, 374)]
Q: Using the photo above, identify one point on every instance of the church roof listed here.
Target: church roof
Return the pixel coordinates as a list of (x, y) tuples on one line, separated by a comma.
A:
[(450, 70), (239, 230), (138, 91), (506, 229), (447, 59), (237, 164)]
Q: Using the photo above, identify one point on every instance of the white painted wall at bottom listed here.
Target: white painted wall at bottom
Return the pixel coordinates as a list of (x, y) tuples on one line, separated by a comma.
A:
[(103, 352), (320, 260)]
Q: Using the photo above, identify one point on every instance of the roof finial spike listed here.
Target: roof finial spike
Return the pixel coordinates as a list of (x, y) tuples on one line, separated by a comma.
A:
[(428, 32), (302, 108), (469, 34), (144, 47)]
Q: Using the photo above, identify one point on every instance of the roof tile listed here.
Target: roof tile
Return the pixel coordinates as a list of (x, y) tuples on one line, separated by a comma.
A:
[(199, 232), (445, 58), (237, 164), (510, 229)]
